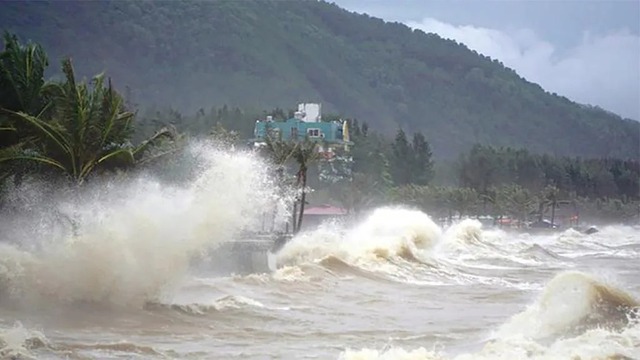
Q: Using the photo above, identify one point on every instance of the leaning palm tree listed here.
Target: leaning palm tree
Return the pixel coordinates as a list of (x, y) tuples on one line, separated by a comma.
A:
[(86, 127)]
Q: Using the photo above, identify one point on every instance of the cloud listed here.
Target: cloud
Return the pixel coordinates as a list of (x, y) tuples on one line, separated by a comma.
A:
[(602, 70)]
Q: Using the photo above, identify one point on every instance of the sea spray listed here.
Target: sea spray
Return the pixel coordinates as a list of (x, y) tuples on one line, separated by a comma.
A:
[(392, 353), (17, 342), (404, 242), (130, 240), (388, 232), (576, 316), (571, 302)]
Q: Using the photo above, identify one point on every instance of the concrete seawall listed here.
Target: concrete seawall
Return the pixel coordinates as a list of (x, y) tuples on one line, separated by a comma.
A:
[(252, 253)]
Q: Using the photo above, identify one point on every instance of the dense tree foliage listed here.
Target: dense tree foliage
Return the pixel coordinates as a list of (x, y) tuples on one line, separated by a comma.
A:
[(531, 187), (70, 128), (261, 54), (484, 167), (74, 129)]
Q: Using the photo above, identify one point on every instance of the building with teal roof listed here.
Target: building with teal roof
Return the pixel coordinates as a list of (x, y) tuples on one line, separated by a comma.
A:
[(306, 124)]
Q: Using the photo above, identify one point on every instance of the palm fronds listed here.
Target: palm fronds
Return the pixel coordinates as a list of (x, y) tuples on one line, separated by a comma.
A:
[(85, 126)]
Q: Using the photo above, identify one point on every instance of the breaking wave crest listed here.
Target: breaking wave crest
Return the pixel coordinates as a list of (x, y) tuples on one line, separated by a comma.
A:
[(387, 233), (391, 241), (407, 245), (573, 302), (575, 317), (225, 303), (19, 342), (539, 252), (132, 242), (110, 348)]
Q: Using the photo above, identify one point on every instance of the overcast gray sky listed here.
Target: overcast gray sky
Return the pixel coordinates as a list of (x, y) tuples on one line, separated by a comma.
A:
[(586, 50)]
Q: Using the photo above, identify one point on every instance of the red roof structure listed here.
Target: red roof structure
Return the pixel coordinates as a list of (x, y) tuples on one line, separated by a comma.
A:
[(326, 210)]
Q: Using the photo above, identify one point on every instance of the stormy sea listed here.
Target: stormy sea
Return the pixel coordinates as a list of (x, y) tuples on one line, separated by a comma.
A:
[(107, 272)]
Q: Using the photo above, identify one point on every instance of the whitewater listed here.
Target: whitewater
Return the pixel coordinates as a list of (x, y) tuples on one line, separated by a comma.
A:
[(107, 272)]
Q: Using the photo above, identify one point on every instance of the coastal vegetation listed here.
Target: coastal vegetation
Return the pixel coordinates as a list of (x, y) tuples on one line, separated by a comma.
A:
[(71, 130), (195, 57), (494, 181), (62, 129)]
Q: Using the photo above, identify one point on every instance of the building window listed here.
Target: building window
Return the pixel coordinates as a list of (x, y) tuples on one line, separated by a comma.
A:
[(313, 132), (274, 134), (294, 133)]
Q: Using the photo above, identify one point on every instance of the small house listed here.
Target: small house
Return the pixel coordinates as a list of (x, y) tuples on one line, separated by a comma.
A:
[(305, 124), (314, 216)]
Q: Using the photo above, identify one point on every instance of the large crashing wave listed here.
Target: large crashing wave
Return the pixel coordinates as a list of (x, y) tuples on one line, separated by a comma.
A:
[(387, 233), (391, 242), (575, 317), (130, 242), (408, 245), (571, 303)]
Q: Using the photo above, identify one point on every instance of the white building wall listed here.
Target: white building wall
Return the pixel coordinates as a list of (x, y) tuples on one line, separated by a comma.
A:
[(310, 112)]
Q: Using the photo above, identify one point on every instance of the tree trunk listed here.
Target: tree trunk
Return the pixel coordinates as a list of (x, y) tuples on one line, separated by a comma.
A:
[(294, 214), (303, 175), (553, 212), (484, 201), (281, 191), (541, 211)]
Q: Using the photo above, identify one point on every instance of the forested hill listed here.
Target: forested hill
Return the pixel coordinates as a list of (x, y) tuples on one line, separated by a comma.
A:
[(267, 54)]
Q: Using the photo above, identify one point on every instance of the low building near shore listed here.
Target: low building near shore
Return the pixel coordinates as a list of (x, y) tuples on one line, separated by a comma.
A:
[(314, 216)]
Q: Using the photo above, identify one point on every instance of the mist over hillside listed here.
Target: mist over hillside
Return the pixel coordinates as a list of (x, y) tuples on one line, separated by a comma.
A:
[(267, 54)]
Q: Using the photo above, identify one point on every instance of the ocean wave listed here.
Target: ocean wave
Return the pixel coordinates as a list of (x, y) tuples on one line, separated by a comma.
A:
[(575, 317), (222, 304), (407, 246), (133, 241), (115, 347), (572, 302), (19, 342)]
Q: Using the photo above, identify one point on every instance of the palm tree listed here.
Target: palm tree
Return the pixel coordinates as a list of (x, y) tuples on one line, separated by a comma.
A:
[(22, 70), (85, 127), (551, 198), (22, 76), (518, 201), (492, 196), (280, 152), (305, 153), (462, 200), (224, 137)]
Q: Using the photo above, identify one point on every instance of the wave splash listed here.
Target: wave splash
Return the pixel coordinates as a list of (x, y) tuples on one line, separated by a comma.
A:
[(408, 245), (575, 317), (20, 342), (572, 303), (132, 242)]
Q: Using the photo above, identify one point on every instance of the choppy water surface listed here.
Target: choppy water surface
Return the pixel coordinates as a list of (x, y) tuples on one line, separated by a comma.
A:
[(396, 286)]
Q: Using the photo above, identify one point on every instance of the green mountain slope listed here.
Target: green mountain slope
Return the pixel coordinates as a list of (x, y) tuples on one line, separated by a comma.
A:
[(263, 54)]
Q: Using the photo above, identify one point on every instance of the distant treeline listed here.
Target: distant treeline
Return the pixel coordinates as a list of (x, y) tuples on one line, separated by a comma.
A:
[(267, 53), (402, 169), (74, 130), (487, 180), (480, 168)]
